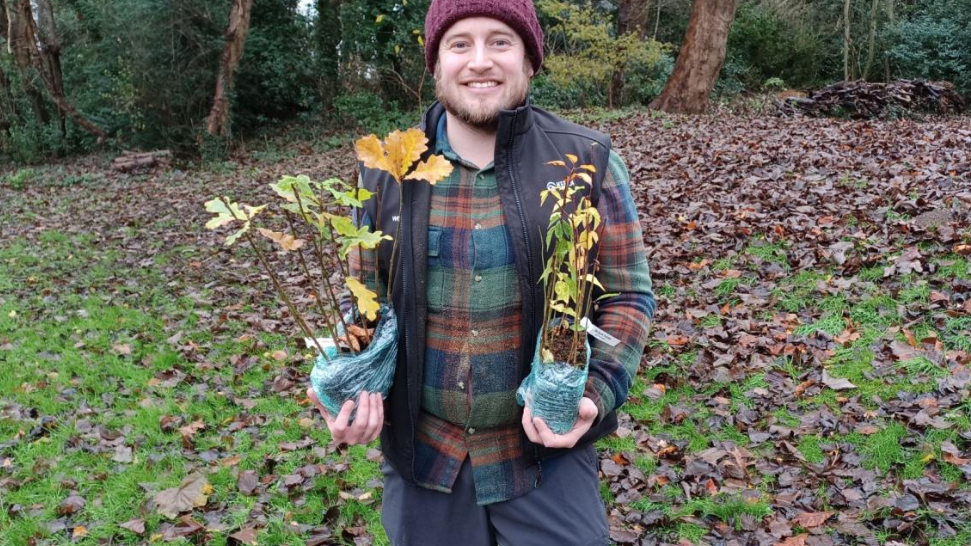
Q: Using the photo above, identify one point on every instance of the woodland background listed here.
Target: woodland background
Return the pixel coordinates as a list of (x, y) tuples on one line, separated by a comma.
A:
[(142, 74)]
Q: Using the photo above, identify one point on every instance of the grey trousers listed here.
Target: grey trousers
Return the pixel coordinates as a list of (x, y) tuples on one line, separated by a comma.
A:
[(564, 510)]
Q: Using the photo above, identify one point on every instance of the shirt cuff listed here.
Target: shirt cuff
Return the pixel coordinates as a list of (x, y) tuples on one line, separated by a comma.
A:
[(600, 392)]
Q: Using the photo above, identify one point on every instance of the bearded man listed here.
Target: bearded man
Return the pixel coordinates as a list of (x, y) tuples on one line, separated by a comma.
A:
[(464, 464)]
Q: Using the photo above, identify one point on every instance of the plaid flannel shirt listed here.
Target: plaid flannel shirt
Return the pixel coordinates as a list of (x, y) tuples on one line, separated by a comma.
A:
[(474, 321)]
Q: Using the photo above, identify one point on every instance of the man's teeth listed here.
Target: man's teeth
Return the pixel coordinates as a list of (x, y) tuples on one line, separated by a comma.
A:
[(483, 84)]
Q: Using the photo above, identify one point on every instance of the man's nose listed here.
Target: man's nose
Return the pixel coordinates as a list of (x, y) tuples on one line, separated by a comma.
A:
[(481, 59)]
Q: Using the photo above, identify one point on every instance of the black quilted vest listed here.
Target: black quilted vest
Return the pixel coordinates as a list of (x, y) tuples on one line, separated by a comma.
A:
[(527, 138)]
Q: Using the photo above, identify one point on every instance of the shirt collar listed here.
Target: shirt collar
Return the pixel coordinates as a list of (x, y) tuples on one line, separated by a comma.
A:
[(441, 141), (442, 146)]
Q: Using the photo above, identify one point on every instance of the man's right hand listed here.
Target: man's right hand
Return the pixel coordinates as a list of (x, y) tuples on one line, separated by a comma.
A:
[(367, 423)]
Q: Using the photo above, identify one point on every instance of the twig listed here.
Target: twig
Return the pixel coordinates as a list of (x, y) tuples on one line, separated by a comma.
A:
[(276, 283)]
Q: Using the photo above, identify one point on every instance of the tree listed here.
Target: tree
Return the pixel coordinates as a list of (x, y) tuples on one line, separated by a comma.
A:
[(23, 40), (847, 40), (218, 121), (700, 59), (51, 51), (13, 30)]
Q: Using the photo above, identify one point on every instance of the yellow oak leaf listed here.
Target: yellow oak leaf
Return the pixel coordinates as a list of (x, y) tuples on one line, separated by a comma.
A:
[(432, 170), (286, 241), (371, 152), (367, 301), (404, 148)]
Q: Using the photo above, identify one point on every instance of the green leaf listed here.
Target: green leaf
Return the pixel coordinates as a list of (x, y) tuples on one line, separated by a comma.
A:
[(363, 237), (232, 238), (292, 187), (224, 214), (233, 212), (343, 225)]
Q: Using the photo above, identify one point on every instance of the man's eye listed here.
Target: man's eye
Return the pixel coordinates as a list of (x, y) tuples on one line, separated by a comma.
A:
[(501, 43), (459, 45)]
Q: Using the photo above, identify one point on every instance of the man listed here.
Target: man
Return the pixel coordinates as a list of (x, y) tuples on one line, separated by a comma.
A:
[(464, 464)]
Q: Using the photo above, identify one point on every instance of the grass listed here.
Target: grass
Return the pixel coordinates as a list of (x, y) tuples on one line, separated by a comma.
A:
[(91, 352)]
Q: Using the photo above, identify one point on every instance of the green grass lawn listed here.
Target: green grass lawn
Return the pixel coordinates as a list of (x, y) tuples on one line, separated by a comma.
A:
[(90, 375)]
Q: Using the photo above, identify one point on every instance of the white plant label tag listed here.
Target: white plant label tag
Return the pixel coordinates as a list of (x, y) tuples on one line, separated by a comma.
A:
[(325, 342), (598, 333)]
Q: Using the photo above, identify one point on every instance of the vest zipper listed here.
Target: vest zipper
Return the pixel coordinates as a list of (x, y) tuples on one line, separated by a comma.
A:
[(404, 323), (522, 215)]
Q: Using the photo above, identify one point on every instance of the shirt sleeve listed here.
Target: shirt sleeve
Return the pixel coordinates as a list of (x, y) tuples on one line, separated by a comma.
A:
[(627, 314)]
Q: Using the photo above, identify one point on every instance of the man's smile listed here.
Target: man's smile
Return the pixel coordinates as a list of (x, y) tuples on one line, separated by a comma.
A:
[(486, 84)]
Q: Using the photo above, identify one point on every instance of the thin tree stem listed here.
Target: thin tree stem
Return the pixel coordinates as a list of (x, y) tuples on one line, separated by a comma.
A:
[(276, 283), (318, 296)]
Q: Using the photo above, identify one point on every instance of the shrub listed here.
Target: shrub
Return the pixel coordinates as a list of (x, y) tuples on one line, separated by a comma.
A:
[(586, 53), (369, 112), (764, 44), (934, 43), (19, 179)]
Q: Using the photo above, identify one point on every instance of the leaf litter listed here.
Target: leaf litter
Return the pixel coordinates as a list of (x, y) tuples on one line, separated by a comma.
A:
[(810, 350)]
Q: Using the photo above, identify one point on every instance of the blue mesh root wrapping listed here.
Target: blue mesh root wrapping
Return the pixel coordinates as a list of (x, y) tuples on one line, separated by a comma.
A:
[(553, 391), (347, 374)]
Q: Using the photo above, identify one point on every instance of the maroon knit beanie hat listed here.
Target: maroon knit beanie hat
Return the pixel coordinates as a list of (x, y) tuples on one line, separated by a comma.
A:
[(520, 15)]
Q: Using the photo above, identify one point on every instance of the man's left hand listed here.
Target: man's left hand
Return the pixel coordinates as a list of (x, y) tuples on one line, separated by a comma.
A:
[(539, 433)]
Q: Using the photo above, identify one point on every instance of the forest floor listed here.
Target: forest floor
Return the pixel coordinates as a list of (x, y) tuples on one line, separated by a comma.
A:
[(807, 382)]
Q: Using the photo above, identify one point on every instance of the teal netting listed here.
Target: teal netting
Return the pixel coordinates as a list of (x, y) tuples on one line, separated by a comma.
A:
[(553, 391), (347, 374)]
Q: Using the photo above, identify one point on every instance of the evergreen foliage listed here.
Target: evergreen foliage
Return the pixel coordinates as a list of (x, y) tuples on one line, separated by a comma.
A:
[(934, 42)]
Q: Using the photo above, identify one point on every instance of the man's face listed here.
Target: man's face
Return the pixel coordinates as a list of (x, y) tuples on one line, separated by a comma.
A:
[(482, 69)]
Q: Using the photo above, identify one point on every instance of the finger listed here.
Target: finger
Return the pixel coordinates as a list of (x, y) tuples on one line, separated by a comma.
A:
[(320, 407), (529, 428), (339, 430), (372, 415), (588, 410), (375, 417), (359, 426), (546, 435)]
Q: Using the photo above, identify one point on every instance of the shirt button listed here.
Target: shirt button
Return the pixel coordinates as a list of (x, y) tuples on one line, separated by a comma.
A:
[(471, 430), (478, 278), (474, 333), (478, 225)]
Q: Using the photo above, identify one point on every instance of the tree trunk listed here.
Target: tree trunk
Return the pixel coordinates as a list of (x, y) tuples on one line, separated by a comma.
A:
[(28, 36), (891, 20), (847, 24), (657, 19), (700, 60), (12, 31), (51, 49), (871, 38), (217, 124), (327, 30)]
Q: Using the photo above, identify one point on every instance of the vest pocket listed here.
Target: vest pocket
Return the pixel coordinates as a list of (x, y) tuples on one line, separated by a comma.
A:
[(435, 273)]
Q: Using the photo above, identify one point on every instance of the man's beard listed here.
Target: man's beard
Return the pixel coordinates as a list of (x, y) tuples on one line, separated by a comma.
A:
[(480, 116)]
